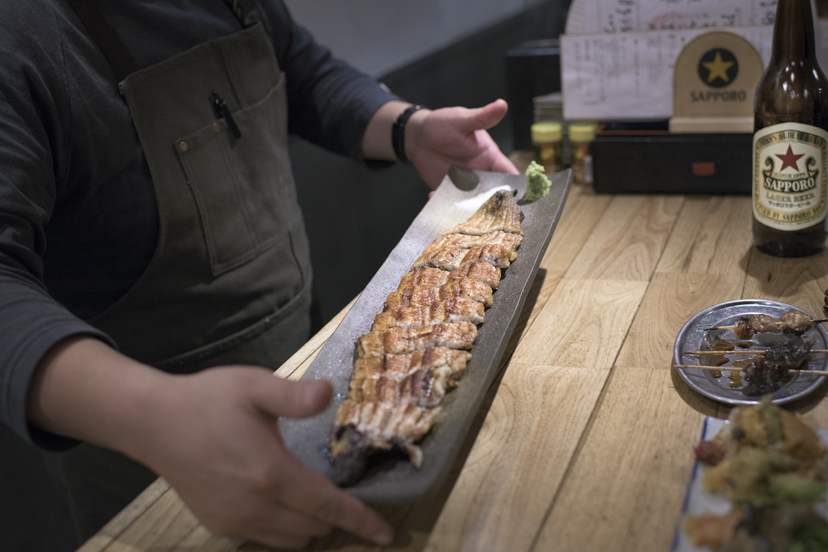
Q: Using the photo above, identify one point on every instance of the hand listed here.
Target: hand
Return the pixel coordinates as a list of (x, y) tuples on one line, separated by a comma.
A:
[(213, 435), (215, 438), (436, 140)]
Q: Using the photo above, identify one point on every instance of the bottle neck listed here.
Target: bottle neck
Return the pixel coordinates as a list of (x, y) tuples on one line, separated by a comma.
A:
[(793, 31)]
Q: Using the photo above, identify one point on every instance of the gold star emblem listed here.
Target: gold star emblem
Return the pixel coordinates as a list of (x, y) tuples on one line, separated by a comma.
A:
[(717, 68)]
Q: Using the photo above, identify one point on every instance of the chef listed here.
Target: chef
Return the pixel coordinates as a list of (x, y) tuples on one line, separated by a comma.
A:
[(149, 230)]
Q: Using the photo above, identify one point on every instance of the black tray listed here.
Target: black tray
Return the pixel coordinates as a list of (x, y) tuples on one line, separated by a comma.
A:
[(398, 481)]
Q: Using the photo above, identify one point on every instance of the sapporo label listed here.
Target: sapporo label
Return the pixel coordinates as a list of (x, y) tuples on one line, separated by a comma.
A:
[(789, 175)]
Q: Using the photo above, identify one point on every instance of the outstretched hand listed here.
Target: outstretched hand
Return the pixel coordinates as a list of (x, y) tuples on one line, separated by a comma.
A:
[(213, 435), (222, 451), (436, 140)]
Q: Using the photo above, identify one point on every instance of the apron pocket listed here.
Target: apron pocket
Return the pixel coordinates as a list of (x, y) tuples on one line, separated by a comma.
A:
[(242, 186)]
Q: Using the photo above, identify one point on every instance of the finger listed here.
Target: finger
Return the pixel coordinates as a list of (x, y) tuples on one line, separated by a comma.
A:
[(483, 118), (293, 399), (503, 164), (316, 496)]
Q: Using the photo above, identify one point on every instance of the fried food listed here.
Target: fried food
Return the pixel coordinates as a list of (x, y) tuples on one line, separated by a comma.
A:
[(772, 467)]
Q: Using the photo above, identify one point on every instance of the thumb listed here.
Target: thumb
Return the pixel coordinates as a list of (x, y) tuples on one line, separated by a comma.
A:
[(484, 118), (292, 399)]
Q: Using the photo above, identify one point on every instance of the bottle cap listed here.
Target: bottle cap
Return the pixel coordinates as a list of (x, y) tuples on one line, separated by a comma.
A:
[(582, 132), (546, 132)]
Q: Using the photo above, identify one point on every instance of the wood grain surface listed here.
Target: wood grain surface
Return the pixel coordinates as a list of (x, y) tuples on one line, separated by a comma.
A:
[(584, 442)]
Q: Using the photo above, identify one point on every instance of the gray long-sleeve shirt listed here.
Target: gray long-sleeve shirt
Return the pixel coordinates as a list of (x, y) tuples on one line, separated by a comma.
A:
[(78, 218)]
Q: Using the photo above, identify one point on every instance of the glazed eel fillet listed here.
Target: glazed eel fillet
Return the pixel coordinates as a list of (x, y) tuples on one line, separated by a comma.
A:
[(460, 309), (451, 259), (418, 296), (417, 349), (436, 277)]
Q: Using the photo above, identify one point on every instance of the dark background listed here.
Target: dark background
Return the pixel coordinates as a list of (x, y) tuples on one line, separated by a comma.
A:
[(354, 216)]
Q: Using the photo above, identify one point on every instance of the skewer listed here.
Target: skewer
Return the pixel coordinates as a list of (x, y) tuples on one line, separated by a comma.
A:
[(733, 327), (742, 352), (732, 369)]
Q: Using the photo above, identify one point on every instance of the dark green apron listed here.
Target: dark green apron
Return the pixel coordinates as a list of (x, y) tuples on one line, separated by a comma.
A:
[(229, 282)]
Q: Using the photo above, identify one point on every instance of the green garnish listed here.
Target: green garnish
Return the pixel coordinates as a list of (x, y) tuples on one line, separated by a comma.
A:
[(537, 185)]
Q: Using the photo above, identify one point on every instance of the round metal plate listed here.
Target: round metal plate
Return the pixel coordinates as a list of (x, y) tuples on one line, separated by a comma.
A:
[(693, 337)]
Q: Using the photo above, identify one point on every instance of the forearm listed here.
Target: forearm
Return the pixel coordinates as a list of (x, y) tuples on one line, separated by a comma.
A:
[(376, 142), (86, 390)]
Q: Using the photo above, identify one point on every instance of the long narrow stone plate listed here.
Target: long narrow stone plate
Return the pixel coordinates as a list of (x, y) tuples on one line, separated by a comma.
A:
[(456, 199)]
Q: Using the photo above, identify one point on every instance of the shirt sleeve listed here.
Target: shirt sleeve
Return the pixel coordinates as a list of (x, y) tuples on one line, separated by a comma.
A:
[(34, 115), (329, 102)]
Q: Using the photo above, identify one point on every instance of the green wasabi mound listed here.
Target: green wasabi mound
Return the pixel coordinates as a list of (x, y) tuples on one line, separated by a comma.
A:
[(537, 185)]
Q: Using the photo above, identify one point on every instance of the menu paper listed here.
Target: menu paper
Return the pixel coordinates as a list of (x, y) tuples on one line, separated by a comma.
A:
[(623, 16), (630, 75)]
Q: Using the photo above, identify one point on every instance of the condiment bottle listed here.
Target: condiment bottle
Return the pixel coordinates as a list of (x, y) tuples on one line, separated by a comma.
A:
[(548, 145), (790, 144), (581, 136)]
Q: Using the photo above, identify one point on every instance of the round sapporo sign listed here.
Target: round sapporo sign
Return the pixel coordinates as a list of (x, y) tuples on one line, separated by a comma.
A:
[(718, 67)]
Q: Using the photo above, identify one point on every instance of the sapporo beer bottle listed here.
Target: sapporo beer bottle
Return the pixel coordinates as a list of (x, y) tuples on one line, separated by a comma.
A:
[(790, 141)]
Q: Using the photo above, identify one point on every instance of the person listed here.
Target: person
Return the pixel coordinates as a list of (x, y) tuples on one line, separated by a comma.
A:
[(149, 230)]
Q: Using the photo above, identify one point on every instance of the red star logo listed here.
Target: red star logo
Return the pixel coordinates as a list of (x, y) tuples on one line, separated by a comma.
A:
[(790, 160)]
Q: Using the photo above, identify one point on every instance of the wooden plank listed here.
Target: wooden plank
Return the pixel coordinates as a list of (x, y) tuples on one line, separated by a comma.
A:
[(583, 324), (799, 282), (582, 213), (627, 243), (627, 481), (126, 517), (161, 527), (625, 489), (518, 460), (671, 300), (710, 237)]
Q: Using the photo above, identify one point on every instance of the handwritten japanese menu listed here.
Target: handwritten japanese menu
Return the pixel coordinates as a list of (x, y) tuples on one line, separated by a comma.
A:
[(617, 56), (630, 75), (614, 16)]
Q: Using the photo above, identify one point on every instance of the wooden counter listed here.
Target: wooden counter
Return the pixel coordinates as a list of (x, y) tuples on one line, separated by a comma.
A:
[(584, 442)]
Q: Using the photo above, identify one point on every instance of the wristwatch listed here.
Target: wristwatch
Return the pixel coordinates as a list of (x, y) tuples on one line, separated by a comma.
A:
[(398, 132)]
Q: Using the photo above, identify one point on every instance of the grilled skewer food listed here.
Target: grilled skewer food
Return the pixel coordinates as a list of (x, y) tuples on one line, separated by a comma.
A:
[(768, 368), (417, 348), (793, 322)]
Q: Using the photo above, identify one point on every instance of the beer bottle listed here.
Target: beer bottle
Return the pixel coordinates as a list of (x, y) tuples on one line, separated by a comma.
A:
[(790, 141)]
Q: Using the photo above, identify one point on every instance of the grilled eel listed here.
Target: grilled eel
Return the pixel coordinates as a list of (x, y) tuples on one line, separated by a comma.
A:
[(460, 309), (436, 277), (498, 255), (388, 406), (395, 341), (500, 212), (413, 354), (418, 296), (467, 241)]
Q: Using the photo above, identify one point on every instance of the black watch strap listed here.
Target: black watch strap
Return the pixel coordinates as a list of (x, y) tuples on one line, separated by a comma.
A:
[(398, 132)]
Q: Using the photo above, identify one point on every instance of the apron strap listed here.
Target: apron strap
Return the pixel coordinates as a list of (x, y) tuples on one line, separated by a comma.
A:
[(111, 44)]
